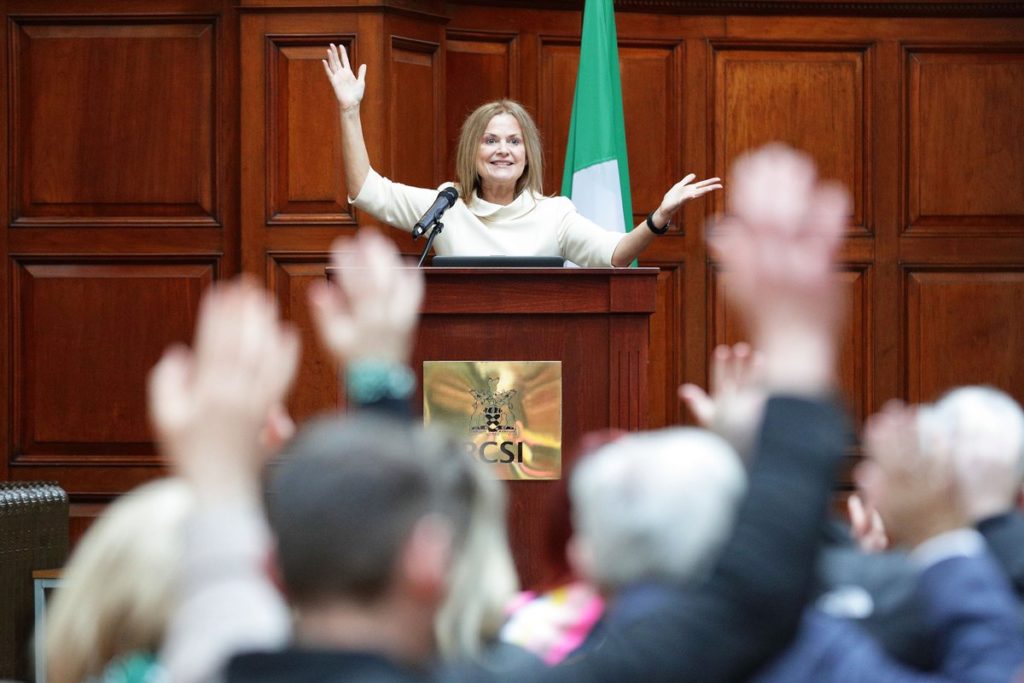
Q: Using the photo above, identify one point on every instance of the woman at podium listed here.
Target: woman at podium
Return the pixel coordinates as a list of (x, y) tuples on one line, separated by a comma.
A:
[(500, 208)]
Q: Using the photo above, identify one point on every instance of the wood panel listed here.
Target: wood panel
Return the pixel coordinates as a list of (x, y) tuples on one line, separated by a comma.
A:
[(479, 67), (963, 327), (115, 122), (316, 387), (85, 336), (559, 62), (652, 96), (293, 195), (965, 163), (813, 98), (81, 517), (668, 337), (6, 367), (854, 339), (416, 110), (653, 99), (304, 179)]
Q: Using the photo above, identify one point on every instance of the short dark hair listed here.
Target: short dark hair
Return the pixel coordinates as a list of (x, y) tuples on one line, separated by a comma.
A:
[(347, 493)]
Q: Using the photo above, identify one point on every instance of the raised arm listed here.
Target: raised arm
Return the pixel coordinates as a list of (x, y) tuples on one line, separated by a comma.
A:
[(367, 319), (349, 89), (634, 243), (208, 406)]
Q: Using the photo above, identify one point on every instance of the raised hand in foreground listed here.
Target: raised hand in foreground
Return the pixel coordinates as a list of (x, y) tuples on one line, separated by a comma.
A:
[(734, 404), (209, 404), (778, 244), (371, 308), (866, 525)]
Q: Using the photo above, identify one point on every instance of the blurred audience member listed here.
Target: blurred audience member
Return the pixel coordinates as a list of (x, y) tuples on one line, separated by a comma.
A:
[(366, 318), (354, 314), (651, 512), (966, 601), (120, 589), (878, 591), (555, 617), (368, 515), (208, 405), (778, 246), (108, 617), (985, 431), (482, 581)]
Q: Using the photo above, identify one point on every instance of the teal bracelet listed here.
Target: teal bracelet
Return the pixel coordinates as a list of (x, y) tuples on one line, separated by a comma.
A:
[(367, 381)]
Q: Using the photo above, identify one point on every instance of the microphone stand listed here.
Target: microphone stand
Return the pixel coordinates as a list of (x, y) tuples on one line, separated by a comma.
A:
[(435, 230)]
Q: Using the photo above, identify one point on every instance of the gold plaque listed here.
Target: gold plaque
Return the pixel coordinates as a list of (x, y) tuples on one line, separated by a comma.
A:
[(509, 413)]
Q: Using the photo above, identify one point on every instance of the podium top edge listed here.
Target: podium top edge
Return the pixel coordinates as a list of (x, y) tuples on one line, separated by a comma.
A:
[(568, 272)]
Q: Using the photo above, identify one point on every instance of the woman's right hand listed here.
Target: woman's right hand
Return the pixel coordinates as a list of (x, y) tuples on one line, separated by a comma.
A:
[(348, 88)]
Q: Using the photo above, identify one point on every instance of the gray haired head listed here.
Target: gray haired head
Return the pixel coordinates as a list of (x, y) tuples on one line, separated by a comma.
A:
[(656, 505)]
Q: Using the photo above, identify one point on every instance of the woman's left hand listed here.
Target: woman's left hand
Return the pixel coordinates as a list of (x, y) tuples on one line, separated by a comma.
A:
[(682, 192), (635, 241)]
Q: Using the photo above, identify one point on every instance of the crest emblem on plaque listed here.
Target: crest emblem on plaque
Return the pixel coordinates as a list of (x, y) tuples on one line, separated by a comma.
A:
[(507, 414), (492, 410)]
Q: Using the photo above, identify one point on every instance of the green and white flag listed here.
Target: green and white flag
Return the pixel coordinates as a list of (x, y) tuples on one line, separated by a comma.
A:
[(596, 175)]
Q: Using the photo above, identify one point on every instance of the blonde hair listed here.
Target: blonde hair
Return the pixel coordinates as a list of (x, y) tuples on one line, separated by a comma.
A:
[(467, 180), (483, 577), (117, 591)]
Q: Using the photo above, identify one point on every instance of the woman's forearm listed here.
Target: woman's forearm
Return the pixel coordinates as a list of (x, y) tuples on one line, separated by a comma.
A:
[(355, 158), (632, 245)]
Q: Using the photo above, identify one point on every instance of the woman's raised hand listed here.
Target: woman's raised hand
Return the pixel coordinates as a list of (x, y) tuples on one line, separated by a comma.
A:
[(682, 192), (348, 87)]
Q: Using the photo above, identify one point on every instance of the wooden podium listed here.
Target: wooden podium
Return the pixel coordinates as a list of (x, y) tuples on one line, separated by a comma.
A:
[(595, 321)]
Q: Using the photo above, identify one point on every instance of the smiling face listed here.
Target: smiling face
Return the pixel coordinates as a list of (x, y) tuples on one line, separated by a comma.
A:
[(501, 159)]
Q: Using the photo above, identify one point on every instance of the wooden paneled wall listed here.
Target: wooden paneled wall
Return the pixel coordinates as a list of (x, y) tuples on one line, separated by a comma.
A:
[(150, 149)]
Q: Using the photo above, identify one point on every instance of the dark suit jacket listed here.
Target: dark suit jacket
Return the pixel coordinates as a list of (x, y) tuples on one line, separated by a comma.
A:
[(751, 606), (970, 610), (1005, 536), (888, 584), (317, 666)]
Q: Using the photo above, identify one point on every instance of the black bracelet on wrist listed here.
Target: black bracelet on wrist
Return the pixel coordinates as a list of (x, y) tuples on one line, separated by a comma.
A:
[(657, 231)]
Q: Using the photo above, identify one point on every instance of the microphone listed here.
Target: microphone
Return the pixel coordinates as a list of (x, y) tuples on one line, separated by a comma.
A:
[(444, 201)]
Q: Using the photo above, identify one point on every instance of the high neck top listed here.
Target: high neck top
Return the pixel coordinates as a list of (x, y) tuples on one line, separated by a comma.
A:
[(489, 212)]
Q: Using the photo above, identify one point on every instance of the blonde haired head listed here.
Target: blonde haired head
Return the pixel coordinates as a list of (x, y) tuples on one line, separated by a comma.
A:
[(483, 577), (117, 591)]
